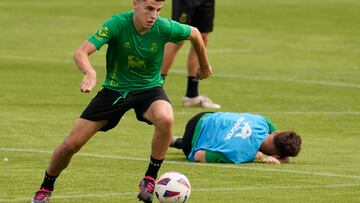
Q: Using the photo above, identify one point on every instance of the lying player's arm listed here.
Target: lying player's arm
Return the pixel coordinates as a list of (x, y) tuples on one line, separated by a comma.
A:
[(283, 160), (204, 156), (270, 159), (200, 156), (259, 156)]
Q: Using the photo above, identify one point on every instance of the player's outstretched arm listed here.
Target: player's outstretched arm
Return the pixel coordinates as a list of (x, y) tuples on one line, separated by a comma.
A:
[(81, 58), (205, 70)]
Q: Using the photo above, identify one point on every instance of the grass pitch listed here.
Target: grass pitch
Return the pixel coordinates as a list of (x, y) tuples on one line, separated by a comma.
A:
[(297, 62)]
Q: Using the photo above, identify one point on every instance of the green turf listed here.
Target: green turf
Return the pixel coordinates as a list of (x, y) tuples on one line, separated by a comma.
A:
[(297, 62)]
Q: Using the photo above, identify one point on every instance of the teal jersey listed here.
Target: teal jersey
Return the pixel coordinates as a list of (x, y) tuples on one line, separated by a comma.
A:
[(230, 137), (133, 61)]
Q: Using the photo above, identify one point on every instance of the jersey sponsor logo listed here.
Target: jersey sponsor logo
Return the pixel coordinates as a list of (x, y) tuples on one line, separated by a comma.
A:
[(240, 129), (135, 63)]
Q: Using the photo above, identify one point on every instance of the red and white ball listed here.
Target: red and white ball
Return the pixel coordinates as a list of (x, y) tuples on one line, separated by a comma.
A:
[(172, 187)]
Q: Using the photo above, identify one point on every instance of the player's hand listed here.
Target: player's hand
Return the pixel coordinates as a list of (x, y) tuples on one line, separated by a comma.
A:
[(88, 83), (204, 72), (271, 160)]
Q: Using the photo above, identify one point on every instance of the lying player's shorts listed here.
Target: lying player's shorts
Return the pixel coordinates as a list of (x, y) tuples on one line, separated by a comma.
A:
[(189, 133), (106, 105), (197, 13)]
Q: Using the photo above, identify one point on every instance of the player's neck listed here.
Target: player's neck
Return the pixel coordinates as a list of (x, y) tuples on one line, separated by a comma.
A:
[(268, 147), (138, 27)]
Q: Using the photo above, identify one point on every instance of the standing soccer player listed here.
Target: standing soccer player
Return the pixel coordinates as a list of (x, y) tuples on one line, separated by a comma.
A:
[(200, 14), (136, 41)]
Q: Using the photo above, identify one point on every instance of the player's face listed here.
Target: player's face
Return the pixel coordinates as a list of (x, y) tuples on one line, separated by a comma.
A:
[(146, 12)]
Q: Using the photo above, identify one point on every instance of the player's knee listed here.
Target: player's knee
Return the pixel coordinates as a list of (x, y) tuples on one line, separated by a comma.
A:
[(165, 121), (71, 147), (205, 37), (168, 120)]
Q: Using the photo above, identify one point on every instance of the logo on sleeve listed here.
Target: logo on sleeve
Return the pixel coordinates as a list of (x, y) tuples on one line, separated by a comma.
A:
[(103, 31)]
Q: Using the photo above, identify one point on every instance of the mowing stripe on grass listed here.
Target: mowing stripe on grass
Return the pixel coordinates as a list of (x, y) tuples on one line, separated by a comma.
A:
[(315, 113), (230, 166), (224, 75), (277, 79), (232, 189)]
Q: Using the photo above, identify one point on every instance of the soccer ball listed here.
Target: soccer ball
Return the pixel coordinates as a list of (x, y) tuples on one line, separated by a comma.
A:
[(172, 187)]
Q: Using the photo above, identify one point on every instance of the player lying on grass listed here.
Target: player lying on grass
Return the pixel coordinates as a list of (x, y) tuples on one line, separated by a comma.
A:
[(227, 137)]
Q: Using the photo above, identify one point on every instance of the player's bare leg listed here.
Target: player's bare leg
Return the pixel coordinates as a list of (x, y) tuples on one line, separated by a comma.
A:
[(160, 113), (82, 131), (170, 52), (192, 97)]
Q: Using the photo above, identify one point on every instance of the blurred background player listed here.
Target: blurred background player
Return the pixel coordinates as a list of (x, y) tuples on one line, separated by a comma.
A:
[(227, 137), (200, 14)]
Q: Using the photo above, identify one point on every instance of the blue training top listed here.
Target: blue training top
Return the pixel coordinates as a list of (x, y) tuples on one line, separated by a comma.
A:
[(238, 136)]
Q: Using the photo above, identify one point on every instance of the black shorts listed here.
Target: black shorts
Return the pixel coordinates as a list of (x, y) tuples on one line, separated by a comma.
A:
[(197, 13), (189, 133), (102, 106)]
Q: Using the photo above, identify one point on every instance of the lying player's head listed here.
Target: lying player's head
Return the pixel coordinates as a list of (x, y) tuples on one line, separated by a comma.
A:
[(287, 143)]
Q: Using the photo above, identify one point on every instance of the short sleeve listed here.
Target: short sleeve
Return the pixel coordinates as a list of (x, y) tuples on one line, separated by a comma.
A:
[(179, 32), (104, 34), (216, 157), (271, 125)]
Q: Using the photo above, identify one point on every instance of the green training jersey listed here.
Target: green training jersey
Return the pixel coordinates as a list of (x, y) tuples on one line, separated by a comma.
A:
[(133, 61)]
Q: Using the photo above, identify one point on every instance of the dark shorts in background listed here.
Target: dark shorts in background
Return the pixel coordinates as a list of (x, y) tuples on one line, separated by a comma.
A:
[(189, 133), (197, 13), (102, 106)]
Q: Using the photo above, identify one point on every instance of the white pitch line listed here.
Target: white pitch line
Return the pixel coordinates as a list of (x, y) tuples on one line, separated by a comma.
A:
[(303, 113), (229, 166), (275, 187), (75, 196), (314, 113), (222, 75), (223, 189)]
